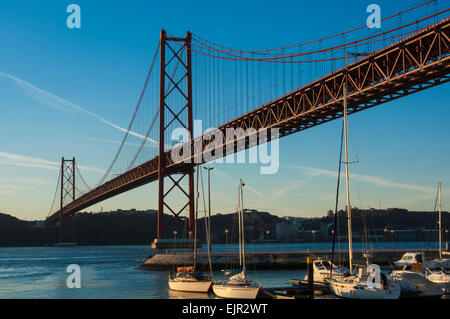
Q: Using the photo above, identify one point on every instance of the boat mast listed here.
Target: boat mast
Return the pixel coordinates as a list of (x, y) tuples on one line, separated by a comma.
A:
[(440, 221), (209, 217), (239, 223), (349, 210), (242, 227)]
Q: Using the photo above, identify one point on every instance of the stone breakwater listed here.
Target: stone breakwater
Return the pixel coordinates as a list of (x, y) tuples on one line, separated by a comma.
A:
[(273, 260)]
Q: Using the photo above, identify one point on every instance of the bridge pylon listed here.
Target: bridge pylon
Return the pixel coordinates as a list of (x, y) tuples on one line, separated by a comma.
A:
[(175, 109), (67, 191)]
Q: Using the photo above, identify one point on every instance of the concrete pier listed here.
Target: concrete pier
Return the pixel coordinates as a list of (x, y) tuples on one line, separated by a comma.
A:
[(174, 243), (275, 259)]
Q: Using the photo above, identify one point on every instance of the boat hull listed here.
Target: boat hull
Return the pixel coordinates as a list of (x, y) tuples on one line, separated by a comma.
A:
[(350, 291), (439, 263), (443, 280), (190, 286), (238, 292)]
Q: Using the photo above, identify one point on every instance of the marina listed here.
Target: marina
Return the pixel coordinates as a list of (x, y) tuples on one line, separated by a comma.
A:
[(271, 260), (114, 272)]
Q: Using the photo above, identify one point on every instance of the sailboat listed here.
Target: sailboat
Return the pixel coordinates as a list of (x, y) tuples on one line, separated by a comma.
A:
[(360, 285), (440, 277), (427, 268), (440, 262), (240, 285), (324, 269), (187, 279)]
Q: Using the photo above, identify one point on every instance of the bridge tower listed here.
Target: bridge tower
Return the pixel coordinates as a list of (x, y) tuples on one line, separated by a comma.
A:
[(67, 191), (175, 109)]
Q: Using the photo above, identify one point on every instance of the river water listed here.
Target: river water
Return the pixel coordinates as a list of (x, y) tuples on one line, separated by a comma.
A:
[(112, 271)]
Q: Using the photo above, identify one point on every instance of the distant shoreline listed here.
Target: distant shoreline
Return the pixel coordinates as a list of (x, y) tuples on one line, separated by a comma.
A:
[(134, 227)]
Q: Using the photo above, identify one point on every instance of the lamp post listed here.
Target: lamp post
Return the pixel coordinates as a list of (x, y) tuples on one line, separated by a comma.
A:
[(175, 236), (267, 238), (446, 239), (392, 232), (190, 237), (226, 239), (313, 234), (385, 234)]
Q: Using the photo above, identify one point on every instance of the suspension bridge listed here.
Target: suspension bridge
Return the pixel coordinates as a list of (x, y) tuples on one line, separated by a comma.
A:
[(290, 89)]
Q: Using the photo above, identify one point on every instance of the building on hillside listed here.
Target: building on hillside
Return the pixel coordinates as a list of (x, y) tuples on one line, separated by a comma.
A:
[(286, 231), (294, 220)]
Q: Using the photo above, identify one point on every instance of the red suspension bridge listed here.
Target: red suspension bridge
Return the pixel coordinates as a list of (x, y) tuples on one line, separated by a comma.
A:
[(226, 88)]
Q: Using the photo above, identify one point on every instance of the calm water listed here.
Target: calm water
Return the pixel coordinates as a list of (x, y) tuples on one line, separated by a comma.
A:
[(112, 271)]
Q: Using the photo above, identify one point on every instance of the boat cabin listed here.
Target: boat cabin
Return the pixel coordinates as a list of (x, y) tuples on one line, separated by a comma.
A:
[(409, 259)]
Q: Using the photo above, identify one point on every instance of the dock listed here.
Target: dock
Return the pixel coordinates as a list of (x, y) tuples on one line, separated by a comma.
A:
[(66, 244), (274, 259), (300, 289), (174, 243)]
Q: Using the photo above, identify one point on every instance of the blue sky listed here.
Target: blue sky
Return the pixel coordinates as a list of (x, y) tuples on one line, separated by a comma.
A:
[(97, 73)]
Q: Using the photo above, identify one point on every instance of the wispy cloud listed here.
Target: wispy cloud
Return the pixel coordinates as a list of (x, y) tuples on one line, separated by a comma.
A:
[(29, 161), (235, 182), (11, 186), (282, 191), (314, 172), (267, 198), (104, 140), (63, 105), (325, 197)]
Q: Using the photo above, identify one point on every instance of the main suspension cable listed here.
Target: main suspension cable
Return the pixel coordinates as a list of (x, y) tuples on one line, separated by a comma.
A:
[(314, 41), (56, 192), (277, 59)]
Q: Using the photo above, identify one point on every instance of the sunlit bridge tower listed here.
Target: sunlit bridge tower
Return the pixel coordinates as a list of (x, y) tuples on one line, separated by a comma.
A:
[(175, 110)]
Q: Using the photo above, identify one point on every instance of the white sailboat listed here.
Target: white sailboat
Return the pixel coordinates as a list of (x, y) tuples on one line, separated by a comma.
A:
[(240, 285), (187, 279), (440, 277), (440, 262), (360, 285), (432, 270)]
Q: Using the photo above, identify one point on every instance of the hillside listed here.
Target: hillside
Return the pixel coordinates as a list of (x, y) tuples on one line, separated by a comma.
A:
[(126, 228), (134, 227)]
